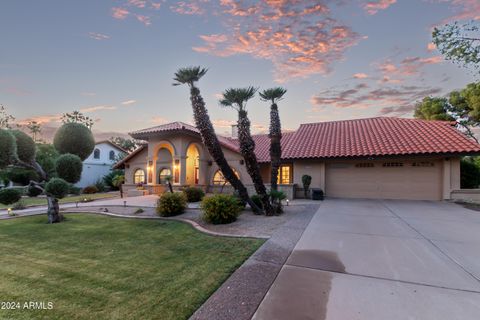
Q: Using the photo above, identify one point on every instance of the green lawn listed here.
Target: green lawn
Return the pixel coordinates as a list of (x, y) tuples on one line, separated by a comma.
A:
[(38, 201), (98, 267)]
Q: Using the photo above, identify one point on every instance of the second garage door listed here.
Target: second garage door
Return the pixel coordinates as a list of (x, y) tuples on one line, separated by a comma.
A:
[(414, 180)]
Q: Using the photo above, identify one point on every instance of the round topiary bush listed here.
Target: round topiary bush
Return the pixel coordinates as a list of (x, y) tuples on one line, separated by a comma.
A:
[(194, 194), (171, 204), (25, 146), (74, 138), (21, 175), (9, 148), (220, 209), (10, 195), (33, 192), (69, 167), (90, 189), (57, 188)]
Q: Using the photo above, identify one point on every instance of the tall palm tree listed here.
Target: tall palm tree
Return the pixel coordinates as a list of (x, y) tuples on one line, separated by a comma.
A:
[(237, 100), (190, 76), (274, 95)]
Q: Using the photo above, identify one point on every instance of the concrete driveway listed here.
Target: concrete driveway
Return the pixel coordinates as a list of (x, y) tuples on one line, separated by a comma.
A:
[(381, 259)]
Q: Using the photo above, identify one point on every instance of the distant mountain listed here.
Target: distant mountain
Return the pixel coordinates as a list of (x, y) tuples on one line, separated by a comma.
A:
[(48, 132)]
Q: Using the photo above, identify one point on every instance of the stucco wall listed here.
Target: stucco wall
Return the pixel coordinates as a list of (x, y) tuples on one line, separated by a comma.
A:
[(137, 162)]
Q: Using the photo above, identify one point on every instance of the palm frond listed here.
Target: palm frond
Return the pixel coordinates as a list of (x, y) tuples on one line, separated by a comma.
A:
[(189, 75), (237, 97), (273, 94)]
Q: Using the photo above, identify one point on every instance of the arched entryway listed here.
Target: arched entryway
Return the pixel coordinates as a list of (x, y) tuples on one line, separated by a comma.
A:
[(164, 164), (193, 165)]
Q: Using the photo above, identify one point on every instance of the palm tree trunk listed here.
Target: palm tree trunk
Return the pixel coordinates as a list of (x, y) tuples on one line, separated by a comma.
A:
[(275, 145), (247, 148), (210, 140)]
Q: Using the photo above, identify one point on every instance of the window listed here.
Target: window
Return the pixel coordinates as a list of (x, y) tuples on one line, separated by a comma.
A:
[(139, 176), (392, 164), (285, 174), (423, 164), (164, 173), (111, 156), (219, 179), (96, 154), (364, 165)]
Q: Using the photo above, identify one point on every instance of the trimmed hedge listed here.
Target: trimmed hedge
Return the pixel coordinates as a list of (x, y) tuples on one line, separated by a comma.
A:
[(26, 148), (9, 148), (74, 138), (220, 209), (194, 194), (69, 167), (57, 188), (9, 196), (171, 204)]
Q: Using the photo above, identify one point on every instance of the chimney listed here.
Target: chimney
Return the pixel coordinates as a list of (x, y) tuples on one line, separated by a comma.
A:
[(234, 131)]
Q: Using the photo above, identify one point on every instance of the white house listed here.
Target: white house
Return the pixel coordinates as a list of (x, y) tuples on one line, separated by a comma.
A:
[(99, 163)]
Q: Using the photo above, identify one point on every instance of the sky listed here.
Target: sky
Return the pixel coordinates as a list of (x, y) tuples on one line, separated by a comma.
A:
[(114, 60)]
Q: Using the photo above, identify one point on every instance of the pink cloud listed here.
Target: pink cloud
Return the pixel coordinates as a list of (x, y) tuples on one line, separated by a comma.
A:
[(431, 47), (137, 3), (143, 19), (96, 108), (372, 7), (189, 7), (408, 67), (119, 13), (360, 75), (465, 10), (156, 5), (98, 36)]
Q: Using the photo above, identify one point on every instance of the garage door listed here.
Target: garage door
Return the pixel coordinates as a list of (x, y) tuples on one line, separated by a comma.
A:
[(415, 180)]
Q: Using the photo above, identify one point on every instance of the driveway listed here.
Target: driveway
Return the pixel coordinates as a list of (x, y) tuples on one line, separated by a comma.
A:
[(381, 259)]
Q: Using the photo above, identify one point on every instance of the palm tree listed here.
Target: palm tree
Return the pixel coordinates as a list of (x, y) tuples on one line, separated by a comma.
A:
[(237, 100), (189, 76), (274, 95)]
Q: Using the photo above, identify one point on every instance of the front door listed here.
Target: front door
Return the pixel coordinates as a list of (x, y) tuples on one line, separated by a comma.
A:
[(196, 175)]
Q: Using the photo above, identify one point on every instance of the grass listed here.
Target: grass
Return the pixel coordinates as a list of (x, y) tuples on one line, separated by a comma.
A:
[(38, 201), (97, 267)]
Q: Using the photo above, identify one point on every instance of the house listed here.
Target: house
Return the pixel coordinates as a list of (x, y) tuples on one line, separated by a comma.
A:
[(382, 157), (100, 162)]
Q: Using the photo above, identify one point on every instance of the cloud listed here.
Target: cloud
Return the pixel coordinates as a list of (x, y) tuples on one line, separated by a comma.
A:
[(188, 7), (120, 13), (464, 10), (372, 7), (43, 119), (143, 19), (360, 75), (137, 3), (155, 5), (407, 67), (223, 123), (98, 36), (159, 120), (129, 102), (96, 108), (431, 46), (299, 38)]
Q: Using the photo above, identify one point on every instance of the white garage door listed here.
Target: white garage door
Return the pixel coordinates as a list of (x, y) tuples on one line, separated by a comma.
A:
[(415, 180)]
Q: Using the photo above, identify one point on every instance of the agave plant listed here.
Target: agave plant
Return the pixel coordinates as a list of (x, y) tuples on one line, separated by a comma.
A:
[(236, 98)]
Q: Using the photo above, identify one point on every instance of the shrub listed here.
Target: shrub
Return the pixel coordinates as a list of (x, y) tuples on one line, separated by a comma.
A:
[(469, 174), (46, 158), (171, 204), (257, 200), (9, 148), (90, 189), (69, 167), (72, 189), (19, 205), (33, 191), (277, 197), (220, 209), (306, 181), (9, 196), (101, 187), (26, 148), (194, 194), (242, 203), (108, 178), (57, 188), (21, 175), (74, 138)]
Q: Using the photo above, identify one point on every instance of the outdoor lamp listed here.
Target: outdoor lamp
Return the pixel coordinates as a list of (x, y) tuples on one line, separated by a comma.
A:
[(287, 202)]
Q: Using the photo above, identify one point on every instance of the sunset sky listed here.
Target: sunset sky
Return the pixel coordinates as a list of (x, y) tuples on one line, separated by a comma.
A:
[(115, 60)]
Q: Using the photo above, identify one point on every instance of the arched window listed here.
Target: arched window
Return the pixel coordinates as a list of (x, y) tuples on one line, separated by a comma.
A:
[(139, 176), (164, 173), (111, 156), (219, 179), (96, 154)]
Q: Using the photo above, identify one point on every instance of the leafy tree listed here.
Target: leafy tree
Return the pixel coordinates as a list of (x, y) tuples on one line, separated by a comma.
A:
[(26, 148), (127, 144), (78, 117), (433, 109), (68, 134), (46, 157), (35, 128), (5, 118), (57, 187), (108, 178), (236, 98), (469, 174), (118, 182), (190, 76), (274, 95), (459, 43)]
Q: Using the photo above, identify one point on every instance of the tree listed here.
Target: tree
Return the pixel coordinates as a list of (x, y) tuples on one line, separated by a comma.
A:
[(190, 76), (11, 143), (77, 117), (459, 43), (433, 109), (127, 144), (34, 128), (275, 134), (469, 173), (5, 118), (74, 132), (236, 98), (118, 182)]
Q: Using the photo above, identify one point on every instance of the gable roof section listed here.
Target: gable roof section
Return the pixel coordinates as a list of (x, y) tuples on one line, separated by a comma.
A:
[(112, 144), (382, 136)]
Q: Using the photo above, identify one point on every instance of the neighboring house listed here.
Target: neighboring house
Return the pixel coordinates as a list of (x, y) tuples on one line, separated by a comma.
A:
[(100, 162), (385, 158)]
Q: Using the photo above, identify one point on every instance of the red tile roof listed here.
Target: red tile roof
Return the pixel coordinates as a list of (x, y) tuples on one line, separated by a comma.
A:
[(381, 136)]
